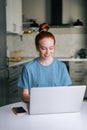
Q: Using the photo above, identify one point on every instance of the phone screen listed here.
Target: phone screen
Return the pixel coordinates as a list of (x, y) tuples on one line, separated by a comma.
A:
[(19, 110)]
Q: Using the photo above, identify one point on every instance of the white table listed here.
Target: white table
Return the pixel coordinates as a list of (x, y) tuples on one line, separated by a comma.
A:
[(65, 121)]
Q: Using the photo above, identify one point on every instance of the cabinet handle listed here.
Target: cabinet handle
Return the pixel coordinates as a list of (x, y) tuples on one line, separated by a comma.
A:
[(78, 72), (79, 62), (78, 80)]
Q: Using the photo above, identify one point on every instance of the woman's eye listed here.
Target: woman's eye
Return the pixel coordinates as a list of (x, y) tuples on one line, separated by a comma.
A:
[(43, 48), (51, 48)]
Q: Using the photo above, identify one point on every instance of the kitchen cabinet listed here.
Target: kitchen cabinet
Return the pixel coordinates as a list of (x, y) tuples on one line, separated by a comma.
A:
[(78, 73), (14, 92), (3, 89), (3, 62), (14, 16)]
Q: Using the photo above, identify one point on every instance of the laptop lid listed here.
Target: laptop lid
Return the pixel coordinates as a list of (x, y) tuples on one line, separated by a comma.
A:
[(52, 100)]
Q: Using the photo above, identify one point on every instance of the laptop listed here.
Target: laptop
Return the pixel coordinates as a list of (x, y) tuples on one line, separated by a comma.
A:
[(53, 100)]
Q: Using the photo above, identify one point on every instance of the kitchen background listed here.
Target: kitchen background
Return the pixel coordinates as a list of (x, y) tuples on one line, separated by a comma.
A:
[(69, 39), (16, 35)]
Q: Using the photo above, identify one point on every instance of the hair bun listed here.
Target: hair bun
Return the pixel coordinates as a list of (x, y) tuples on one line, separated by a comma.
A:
[(44, 27)]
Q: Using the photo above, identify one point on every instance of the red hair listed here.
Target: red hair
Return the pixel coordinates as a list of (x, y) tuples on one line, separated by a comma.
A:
[(44, 27), (43, 35)]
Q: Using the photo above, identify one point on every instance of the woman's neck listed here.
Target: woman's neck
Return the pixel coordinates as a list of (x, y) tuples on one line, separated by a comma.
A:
[(45, 62)]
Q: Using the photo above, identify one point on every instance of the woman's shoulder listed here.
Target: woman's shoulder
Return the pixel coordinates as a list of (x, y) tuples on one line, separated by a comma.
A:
[(59, 64), (57, 61), (31, 63)]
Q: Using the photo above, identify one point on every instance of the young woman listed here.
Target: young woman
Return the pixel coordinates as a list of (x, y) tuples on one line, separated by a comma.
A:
[(43, 71)]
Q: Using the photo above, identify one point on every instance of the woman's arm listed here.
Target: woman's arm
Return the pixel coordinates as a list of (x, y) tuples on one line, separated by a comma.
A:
[(25, 95)]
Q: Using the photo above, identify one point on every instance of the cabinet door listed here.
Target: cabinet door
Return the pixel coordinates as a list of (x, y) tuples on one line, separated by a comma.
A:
[(3, 88), (2, 53), (2, 35), (78, 73), (14, 16), (19, 16), (13, 90), (10, 18)]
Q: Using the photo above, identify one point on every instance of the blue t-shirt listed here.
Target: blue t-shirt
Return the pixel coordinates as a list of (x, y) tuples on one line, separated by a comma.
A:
[(35, 74)]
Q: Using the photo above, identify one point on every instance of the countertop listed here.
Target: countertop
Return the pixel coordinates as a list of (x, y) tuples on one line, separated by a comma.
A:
[(63, 121), (24, 60), (27, 59)]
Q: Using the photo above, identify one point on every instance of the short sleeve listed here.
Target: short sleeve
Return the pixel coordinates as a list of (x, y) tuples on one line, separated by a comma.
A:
[(66, 80), (23, 81)]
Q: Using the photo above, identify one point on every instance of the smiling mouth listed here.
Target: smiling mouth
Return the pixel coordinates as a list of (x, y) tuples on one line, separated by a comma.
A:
[(47, 55)]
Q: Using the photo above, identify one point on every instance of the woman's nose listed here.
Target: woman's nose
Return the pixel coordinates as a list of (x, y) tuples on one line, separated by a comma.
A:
[(47, 51)]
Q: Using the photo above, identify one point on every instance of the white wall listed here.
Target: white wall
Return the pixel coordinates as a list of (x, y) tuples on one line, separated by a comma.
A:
[(74, 9), (67, 44), (34, 9)]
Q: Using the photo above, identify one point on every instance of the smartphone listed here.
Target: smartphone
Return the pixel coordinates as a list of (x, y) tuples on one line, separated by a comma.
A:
[(19, 110)]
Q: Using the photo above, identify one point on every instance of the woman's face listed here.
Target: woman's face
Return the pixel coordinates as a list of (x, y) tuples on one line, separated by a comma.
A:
[(46, 48)]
